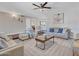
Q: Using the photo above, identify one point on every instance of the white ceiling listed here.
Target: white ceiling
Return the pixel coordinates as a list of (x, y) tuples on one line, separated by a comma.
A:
[(26, 8)]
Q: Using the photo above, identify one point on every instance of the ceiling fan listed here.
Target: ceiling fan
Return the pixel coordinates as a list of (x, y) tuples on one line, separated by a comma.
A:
[(42, 6)]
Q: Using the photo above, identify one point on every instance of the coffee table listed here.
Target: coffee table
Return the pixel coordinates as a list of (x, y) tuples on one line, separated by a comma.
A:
[(43, 39)]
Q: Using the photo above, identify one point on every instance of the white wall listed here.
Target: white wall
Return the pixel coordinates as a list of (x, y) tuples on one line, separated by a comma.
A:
[(9, 24), (71, 19), (70, 9)]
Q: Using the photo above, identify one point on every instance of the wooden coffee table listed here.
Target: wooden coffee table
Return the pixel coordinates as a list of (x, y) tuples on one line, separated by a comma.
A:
[(43, 39)]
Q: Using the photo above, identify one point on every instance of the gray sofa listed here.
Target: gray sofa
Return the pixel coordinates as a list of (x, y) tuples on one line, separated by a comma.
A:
[(60, 32)]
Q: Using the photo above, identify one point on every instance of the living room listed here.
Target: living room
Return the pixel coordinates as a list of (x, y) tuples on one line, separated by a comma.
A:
[(39, 28)]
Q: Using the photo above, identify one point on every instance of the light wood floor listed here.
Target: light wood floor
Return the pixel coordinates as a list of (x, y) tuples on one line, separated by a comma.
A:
[(61, 47)]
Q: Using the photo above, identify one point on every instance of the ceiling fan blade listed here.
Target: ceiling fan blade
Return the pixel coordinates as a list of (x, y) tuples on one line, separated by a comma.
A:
[(36, 5), (47, 7), (44, 4)]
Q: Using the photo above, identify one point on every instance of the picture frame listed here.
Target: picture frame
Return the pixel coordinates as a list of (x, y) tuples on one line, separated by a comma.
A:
[(58, 18)]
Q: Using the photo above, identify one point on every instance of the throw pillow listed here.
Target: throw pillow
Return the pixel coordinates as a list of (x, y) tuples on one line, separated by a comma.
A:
[(51, 30), (60, 30)]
